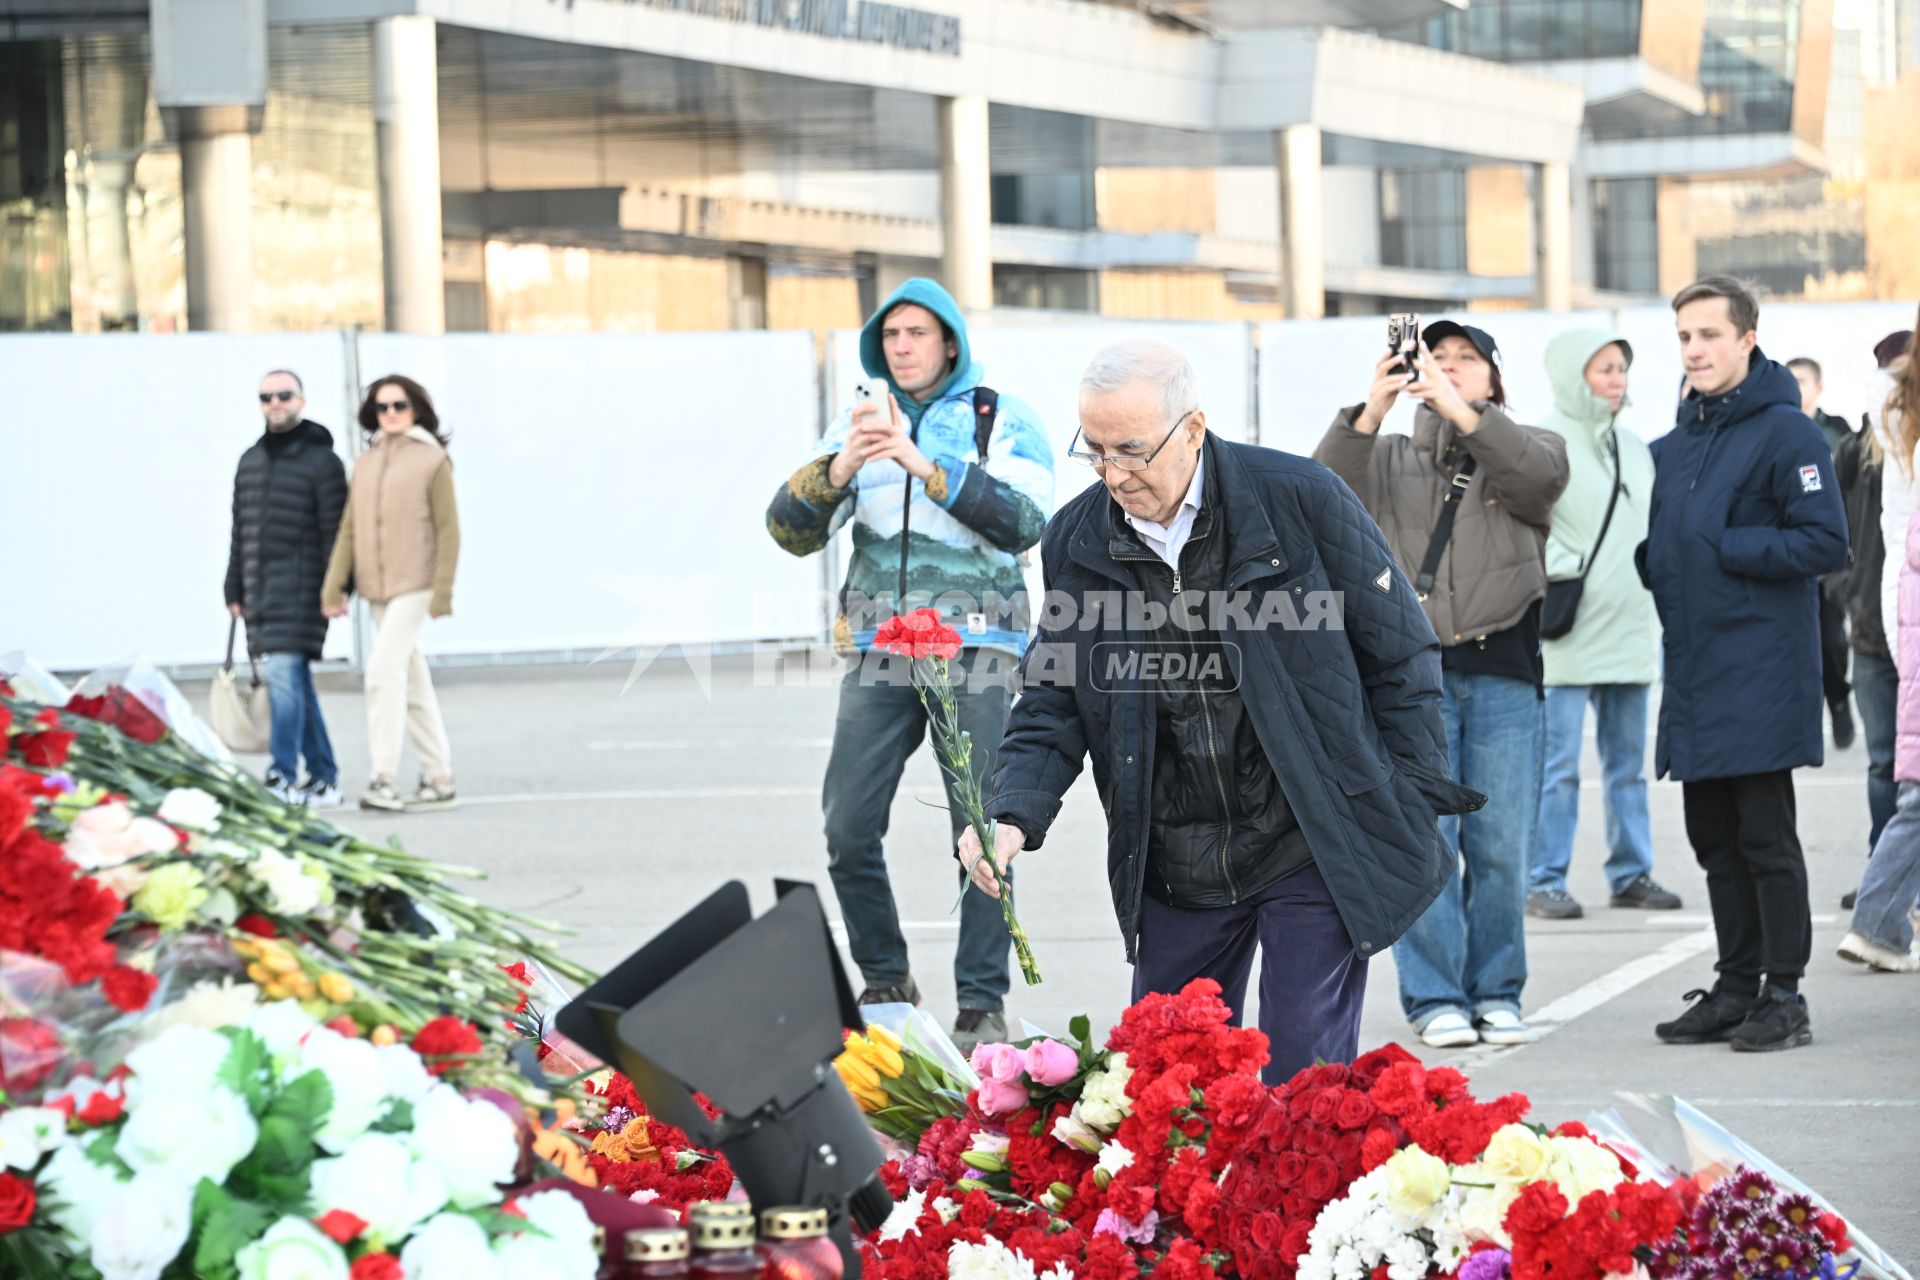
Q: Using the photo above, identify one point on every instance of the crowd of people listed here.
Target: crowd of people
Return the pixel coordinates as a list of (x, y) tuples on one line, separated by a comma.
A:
[(1406, 777)]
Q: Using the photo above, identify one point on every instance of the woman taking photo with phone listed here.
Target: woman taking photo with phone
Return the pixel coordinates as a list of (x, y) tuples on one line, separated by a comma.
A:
[(1466, 502), (398, 545)]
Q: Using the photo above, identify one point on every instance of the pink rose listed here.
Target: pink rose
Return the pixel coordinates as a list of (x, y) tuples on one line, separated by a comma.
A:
[(1000, 1062), (1002, 1069), (1000, 1097), (1050, 1063)]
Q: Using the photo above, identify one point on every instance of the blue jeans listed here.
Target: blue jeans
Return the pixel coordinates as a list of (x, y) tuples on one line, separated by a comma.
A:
[(1876, 688), (1892, 882), (1620, 716), (881, 723), (298, 727), (1468, 953)]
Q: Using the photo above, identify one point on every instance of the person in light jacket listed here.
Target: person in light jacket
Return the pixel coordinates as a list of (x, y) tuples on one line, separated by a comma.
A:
[(1608, 658), (1462, 965), (1881, 932), (398, 546)]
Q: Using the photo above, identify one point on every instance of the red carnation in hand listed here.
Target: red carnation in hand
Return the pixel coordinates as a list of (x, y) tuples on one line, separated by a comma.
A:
[(127, 989), (376, 1266), (340, 1226), (445, 1037), (919, 634), (17, 1201)]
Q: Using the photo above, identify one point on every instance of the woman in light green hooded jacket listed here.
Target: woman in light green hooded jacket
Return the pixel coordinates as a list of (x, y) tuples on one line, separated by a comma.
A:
[(1608, 658)]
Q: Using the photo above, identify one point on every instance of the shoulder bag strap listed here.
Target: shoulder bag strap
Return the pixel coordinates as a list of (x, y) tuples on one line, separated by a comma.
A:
[(1613, 446), (1443, 528)]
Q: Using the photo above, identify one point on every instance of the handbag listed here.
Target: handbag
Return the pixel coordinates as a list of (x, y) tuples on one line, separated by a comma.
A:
[(242, 718), (1563, 598)]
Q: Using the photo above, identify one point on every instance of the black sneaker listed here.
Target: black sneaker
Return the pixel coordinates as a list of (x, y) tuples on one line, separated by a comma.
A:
[(1646, 893), (1554, 904), (1842, 725), (1778, 1021), (1713, 1018), (1847, 899), (975, 1025), (902, 992)]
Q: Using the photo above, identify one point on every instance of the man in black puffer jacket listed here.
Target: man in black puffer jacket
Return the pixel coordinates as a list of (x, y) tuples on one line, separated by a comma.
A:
[(287, 498), (1228, 639)]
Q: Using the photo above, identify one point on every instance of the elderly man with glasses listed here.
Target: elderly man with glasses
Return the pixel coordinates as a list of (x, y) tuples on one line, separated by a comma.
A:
[(1227, 635)]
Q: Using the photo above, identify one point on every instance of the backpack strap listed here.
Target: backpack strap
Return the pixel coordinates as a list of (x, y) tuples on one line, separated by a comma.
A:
[(986, 408)]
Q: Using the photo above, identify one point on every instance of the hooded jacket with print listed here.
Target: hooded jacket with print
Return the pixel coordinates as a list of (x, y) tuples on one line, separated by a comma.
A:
[(959, 535), (1616, 629)]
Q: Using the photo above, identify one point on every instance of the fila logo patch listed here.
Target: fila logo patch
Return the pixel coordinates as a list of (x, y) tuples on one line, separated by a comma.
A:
[(1385, 580), (1810, 479)]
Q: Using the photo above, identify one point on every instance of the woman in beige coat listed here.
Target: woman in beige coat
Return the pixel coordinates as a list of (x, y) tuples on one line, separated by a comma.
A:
[(398, 545)]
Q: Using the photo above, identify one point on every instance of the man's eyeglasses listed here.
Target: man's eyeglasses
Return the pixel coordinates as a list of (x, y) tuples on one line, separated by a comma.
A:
[(1123, 461), (392, 406), (268, 397)]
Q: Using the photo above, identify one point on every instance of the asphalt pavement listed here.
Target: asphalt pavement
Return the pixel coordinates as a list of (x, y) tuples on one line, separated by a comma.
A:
[(611, 801)]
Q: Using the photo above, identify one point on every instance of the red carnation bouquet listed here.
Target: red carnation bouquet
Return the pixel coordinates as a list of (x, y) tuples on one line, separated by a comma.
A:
[(922, 637)]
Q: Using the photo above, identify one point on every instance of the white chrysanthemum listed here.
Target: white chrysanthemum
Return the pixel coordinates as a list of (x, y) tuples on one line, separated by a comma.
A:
[(988, 1260), (1113, 1158), (905, 1214), (1407, 1259)]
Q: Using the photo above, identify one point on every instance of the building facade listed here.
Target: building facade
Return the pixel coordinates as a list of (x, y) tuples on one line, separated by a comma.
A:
[(639, 165)]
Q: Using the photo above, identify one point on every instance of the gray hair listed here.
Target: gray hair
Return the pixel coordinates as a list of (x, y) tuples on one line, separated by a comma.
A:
[(1132, 360)]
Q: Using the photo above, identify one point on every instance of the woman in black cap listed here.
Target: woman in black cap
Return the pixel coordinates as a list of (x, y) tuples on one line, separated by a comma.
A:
[(1466, 502)]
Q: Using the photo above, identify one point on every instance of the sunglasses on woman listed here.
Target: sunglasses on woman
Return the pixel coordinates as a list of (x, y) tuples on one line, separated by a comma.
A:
[(392, 406)]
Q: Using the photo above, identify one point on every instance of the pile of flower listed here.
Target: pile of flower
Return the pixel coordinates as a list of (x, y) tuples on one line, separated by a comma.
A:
[(1164, 1152), (277, 1147), (645, 1159)]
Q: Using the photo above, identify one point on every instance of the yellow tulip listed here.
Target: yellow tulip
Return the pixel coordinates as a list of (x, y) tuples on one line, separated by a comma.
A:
[(260, 974), (857, 1074), (336, 987), (871, 1100), (280, 961), (884, 1037)]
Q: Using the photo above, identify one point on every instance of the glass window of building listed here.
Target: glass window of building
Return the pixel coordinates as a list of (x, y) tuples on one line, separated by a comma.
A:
[(1531, 30), (1423, 219), (1626, 235)]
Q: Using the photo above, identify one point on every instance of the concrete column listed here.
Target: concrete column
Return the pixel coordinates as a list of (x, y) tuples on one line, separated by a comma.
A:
[(216, 184), (406, 120), (1552, 238), (1303, 240), (110, 241), (746, 293), (966, 204)]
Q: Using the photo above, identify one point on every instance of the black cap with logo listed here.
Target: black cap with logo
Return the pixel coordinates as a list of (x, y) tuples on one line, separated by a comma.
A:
[(1482, 340)]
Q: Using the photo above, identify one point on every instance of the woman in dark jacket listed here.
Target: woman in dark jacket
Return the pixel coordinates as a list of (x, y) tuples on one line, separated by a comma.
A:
[(1492, 482)]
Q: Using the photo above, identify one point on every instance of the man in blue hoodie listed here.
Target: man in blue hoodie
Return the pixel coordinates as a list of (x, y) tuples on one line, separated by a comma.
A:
[(946, 487), (1746, 518)]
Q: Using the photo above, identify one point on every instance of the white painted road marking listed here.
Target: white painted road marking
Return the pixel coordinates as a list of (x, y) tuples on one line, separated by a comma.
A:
[(1584, 1000)]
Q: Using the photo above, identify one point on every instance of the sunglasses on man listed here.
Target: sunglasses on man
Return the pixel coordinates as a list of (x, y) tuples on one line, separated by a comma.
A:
[(268, 397)]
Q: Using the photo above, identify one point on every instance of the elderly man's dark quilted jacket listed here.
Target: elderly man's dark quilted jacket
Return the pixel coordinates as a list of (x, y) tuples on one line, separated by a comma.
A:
[(1334, 658)]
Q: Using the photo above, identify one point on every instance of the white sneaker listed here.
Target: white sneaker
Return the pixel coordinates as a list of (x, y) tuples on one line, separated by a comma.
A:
[(1861, 949), (1503, 1026), (321, 795), (1449, 1031)]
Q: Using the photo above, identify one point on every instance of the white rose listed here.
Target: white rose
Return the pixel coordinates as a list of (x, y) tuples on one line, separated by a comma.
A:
[(294, 893), (474, 1145), (561, 1215), (182, 1060), (190, 807), (188, 1135), (209, 1005), (292, 1250), (1483, 1214), (143, 1227), (568, 1241), (281, 1026), (380, 1181), (407, 1077), (1581, 1166), (79, 1189), (451, 1246), (28, 1133), (352, 1067), (530, 1255), (1103, 1102)]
